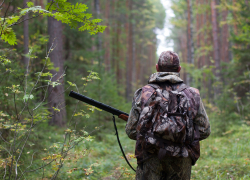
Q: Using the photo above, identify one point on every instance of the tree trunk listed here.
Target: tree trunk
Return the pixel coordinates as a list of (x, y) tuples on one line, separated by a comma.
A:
[(203, 41), (113, 32), (118, 72), (216, 50), (142, 59), (107, 38), (183, 54), (151, 55), (130, 50), (198, 45), (41, 3), (133, 48), (56, 97), (26, 38), (234, 16), (99, 39), (225, 39), (209, 55), (138, 64), (190, 43), (93, 40), (123, 59), (203, 33)]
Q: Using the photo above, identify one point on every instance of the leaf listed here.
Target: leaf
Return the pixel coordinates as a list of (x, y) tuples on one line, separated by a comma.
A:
[(56, 109), (26, 97), (55, 84), (9, 36), (4, 60), (3, 114), (65, 12), (79, 114), (92, 108), (31, 144), (30, 4), (71, 84)]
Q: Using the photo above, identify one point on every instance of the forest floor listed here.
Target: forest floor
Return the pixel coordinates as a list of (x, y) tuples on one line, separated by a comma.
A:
[(223, 157)]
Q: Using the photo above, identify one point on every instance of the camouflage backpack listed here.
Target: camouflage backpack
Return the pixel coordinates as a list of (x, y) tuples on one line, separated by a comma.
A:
[(164, 124)]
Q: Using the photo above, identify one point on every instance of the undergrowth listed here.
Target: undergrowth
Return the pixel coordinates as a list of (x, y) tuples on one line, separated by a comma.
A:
[(225, 157), (222, 157)]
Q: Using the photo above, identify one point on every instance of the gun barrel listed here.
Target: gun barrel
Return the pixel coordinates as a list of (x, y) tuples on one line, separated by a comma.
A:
[(99, 105)]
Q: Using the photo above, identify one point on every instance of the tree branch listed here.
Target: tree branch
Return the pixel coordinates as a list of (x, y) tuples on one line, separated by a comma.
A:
[(5, 14), (37, 168), (24, 20), (2, 3), (23, 147), (12, 147), (5, 171)]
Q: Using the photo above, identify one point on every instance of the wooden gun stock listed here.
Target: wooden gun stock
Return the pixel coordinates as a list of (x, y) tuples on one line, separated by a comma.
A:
[(123, 116)]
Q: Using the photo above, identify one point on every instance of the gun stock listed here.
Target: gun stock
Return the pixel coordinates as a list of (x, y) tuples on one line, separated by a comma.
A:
[(122, 115)]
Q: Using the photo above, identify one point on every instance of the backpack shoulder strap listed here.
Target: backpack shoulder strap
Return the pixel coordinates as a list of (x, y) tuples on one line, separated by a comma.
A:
[(147, 92), (182, 87), (155, 86)]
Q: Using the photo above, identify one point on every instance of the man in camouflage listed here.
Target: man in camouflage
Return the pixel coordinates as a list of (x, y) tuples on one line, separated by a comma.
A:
[(178, 164)]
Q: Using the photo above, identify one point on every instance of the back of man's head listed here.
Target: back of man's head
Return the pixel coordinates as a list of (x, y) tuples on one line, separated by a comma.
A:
[(168, 62)]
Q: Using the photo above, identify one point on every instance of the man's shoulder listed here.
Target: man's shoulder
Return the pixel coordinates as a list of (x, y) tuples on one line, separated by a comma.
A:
[(146, 88), (194, 90), (143, 93), (195, 96)]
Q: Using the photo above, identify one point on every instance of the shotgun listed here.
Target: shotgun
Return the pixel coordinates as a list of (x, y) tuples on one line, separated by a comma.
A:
[(80, 97), (120, 114)]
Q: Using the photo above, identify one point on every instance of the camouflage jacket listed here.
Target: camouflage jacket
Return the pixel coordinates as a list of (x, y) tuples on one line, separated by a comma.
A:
[(197, 114)]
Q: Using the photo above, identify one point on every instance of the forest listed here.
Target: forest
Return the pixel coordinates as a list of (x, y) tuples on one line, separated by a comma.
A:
[(106, 50)]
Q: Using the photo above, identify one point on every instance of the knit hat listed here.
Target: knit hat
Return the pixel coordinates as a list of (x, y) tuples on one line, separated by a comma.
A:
[(168, 60)]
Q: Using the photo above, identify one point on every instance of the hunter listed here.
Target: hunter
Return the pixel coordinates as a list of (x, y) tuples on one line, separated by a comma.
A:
[(161, 156)]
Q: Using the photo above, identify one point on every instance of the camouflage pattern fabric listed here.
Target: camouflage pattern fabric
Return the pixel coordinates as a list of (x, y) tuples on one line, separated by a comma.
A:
[(196, 112), (157, 129), (161, 77), (170, 168)]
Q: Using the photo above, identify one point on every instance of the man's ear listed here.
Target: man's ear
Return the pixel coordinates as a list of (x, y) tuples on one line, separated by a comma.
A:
[(157, 68), (179, 69)]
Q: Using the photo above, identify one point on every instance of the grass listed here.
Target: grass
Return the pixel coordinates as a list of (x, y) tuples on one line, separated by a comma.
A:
[(222, 157), (225, 157)]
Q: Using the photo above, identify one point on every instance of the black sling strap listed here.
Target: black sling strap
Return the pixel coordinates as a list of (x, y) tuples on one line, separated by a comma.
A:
[(117, 135)]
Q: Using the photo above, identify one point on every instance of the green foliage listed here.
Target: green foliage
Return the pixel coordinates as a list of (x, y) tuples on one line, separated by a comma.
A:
[(159, 13), (4, 60), (221, 157), (19, 126), (224, 154), (8, 36), (231, 104), (59, 9), (105, 91), (87, 147), (199, 75), (224, 157), (24, 91), (74, 14)]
